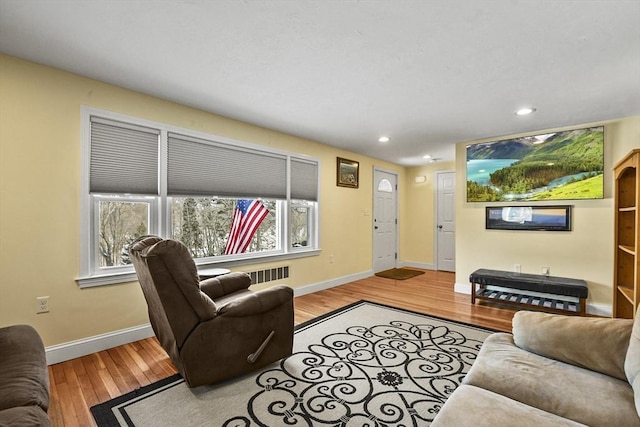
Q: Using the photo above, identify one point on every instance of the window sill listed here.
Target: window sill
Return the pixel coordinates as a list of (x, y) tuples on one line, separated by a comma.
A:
[(107, 279), (130, 276)]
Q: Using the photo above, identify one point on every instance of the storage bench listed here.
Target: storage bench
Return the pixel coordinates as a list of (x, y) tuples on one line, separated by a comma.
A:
[(530, 290)]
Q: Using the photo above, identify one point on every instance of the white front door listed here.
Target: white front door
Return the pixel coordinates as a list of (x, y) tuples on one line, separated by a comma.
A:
[(445, 221), (385, 222)]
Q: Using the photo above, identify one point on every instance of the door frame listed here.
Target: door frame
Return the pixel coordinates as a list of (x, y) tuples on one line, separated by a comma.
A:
[(373, 211), (435, 215)]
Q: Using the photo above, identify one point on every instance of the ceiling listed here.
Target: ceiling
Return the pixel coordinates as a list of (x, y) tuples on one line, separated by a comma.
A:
[(428, 74)]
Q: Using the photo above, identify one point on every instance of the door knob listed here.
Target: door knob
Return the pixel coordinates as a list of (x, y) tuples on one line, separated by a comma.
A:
[(440, 227)]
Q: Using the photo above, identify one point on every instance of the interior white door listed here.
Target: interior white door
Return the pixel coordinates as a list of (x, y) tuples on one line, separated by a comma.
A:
[(445, 221), (385, 222)]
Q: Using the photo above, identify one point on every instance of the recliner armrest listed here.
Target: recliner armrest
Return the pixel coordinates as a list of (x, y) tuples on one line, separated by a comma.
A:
[(598, 344), (257, 302), (226, 284)]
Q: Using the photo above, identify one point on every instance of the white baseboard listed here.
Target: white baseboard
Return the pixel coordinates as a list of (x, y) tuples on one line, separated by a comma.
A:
[(462, 288), (73, 349), (603, 310), (414, 264), (315, 287)]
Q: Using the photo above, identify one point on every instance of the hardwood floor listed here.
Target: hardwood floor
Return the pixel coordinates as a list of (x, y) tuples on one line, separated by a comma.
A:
[(78, 384)]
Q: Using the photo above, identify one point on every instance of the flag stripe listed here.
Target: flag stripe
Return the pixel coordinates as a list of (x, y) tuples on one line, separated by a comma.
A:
[(247, 217), (233, 233), (253, 220)]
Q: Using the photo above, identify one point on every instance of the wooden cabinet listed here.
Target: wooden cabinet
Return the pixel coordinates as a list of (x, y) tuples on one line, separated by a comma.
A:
[(626, 289)]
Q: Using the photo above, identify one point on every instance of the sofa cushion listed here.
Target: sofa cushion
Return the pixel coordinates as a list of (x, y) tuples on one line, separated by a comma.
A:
[(565, 390), (24, 416), (24, 379), (575, 340), (470, 405), (632, 361), (636, 393)]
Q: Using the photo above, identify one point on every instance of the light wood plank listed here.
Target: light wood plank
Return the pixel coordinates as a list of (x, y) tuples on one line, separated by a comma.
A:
[(119, 371), (135, 370), (68, 411), (75, 389), (55, 408), (93, 368)]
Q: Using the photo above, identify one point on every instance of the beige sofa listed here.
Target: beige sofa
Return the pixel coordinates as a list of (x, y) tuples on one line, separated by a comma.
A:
[(552, 371)]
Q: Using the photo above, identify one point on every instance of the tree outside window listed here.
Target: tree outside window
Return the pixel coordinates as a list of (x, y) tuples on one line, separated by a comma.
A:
[(203, 224), (120, 223), (299, 226)]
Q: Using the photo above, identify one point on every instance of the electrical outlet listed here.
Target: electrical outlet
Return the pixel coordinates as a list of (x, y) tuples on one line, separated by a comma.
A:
[(545, 270), (330, 259), (517, 268), (42, 305)]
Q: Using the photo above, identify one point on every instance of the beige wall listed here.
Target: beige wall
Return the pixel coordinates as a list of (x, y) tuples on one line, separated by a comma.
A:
[(586, 252), (40, 200), (419, 227), (40, 205), (625, 135)]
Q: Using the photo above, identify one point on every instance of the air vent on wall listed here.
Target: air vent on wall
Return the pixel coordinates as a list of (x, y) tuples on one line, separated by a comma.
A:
[(269, 274)]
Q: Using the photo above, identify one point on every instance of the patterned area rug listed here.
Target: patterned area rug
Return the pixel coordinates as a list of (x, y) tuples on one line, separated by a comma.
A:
[(365, 364), (399, 273)]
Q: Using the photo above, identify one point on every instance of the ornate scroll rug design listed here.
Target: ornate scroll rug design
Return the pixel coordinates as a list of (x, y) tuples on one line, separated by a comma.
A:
[(363, 365)]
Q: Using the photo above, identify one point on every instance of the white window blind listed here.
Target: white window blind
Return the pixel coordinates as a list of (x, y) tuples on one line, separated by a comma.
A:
[(204, 168), (124, 158), (304, 179)]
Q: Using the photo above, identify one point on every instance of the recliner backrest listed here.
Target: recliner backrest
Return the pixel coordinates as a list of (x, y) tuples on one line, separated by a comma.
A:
[(170, 283)]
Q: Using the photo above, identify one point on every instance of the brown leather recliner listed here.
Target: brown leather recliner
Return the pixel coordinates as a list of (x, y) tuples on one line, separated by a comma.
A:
[(213, 329)]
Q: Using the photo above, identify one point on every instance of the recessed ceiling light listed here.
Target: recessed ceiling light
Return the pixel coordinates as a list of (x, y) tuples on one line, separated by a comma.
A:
[(384, 139), (426, 156), (526, 110)]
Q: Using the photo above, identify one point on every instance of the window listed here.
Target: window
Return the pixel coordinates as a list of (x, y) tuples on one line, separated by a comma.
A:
[(143, 177), (385, 186), (203, 224), (300, 220), (120, 222)]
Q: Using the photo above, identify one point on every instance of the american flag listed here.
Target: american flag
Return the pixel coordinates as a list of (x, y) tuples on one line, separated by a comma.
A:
[(247, 217)]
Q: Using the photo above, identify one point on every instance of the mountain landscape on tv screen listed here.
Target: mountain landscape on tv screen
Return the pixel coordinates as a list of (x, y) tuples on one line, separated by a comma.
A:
[(557, 166)]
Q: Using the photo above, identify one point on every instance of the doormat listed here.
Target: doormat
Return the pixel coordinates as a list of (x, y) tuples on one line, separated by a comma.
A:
[(399, 273)]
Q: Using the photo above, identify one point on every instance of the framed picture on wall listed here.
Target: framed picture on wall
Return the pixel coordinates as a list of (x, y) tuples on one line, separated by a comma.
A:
[(347, 173), (539, 218), (564, 165)]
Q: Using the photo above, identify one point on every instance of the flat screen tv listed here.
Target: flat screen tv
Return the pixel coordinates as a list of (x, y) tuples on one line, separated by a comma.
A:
[(542, 218), (565, 165)]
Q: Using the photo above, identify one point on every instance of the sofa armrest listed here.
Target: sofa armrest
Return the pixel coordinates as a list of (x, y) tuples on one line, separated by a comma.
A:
[(598, 344), (226, 284), (257, 302), (24, 377)]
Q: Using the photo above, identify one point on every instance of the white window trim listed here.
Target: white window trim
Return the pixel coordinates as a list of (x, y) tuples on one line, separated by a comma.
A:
[(95, 214), (312, 235), (90, 276)]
